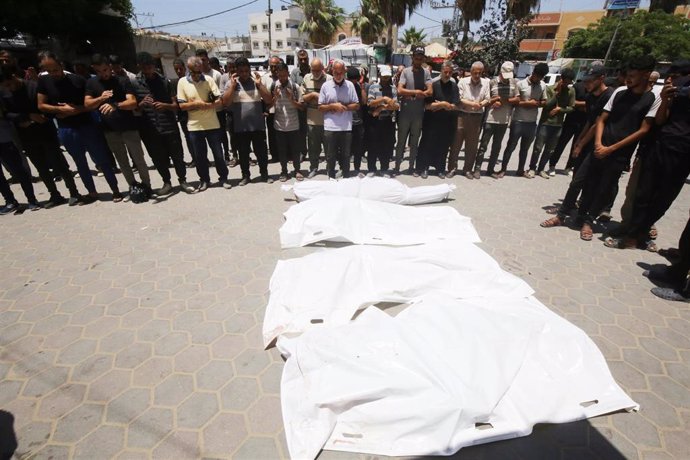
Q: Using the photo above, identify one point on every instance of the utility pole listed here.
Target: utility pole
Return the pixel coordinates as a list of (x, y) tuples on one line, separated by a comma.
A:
[(269, 11)]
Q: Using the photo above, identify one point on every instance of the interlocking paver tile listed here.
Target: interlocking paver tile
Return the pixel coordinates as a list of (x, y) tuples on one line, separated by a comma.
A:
[(150, 428), (61, 401), (105, 442), (239, 393), (78, 423), (173, 390), (224, 434), (197, 410)]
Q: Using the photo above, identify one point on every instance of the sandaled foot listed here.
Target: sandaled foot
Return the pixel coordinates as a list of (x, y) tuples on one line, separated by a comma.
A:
[(555, 221), (619, 243), (653, 233), (586, 233)]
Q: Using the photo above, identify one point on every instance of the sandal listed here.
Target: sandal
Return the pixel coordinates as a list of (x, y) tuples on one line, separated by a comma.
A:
[(620, 243), (586, 232), (553, 222), (651, 246), (653, 233)]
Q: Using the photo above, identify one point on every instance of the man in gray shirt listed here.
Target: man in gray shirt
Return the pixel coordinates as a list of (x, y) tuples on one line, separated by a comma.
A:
[(413, 88)]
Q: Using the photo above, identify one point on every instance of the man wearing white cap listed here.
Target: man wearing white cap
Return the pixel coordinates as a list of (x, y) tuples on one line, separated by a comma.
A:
[(504, 95)]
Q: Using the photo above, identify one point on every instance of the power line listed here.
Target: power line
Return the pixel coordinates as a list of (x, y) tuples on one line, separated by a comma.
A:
[(202, 17), (427, 17)]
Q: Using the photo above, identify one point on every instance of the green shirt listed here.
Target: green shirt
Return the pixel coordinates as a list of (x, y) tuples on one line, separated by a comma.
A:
[(564, 99)]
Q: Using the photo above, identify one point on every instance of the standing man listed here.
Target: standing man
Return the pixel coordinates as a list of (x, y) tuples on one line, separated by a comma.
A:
[(297, 77), (113, 97), (572, 127), (504, 95), (357, 146), (524, 122), (560, 100), (247, 96), (231, 70), (311, 87), (268, 80), (474, 97), (216, 75), (200, 97), (439, 123), (157, 98), (382, 104), (62, 95), (337, 100), (182, 116), (414, 87), (286, 122)]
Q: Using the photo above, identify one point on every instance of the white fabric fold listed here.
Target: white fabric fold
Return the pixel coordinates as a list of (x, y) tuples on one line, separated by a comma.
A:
[(327, 288), (344, 219)]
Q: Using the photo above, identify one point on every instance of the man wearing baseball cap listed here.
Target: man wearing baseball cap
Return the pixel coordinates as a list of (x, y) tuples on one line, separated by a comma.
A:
[(413, 88), (504, 95)]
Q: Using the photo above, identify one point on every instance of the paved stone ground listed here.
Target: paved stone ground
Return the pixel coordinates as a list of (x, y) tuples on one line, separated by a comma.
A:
[(133, 331)]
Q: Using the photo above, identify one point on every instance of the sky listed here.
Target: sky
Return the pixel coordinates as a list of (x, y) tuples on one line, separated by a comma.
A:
[(236, 23)]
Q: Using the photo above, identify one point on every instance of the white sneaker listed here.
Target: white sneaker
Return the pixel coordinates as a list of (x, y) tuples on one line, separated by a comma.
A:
[(226, 184), (530, 174), (552, 172), (569, 172), (187, 188), (544, 175)]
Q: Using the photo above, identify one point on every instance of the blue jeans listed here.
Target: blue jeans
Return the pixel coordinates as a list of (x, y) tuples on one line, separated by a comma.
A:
[(547, 138), (524, 132), (88, 137), (199, 140)]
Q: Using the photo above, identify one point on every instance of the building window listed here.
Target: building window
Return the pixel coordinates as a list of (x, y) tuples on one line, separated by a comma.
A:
[(255, 45), (289, 44), (279, 44), (572, 32), (264, 27), (342, 37), (266, 44), (255, 29), (549, 36), (279, 26)]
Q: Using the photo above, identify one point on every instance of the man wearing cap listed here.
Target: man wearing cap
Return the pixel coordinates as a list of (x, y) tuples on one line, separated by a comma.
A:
[(504, 95), (309, 97), (523, 125), (337, 100), (413, 88), (382, 103), (572, 127)]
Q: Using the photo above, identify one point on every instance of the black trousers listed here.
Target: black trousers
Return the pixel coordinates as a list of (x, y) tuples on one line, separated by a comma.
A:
[(223, 120), (681, 268), (270, 128), (256, 141), (45, 154), (381, 143), (338, 145), (661, 180), (357, 147), (162, 148), (289, 149), (433, 148), (600, 184), (569, 131), (12, 159)]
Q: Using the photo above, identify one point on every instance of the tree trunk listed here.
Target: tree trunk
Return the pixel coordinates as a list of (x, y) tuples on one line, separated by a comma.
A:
[(389, 37), (465, 30)]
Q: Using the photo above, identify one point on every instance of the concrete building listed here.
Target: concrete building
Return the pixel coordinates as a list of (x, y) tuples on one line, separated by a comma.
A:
[(284, 34), (345, 32)]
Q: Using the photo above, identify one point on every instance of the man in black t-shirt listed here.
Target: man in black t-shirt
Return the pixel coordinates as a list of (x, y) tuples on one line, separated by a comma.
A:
[(440, 121), (62, 95), (113, 97), (37, 134), (666, 161)]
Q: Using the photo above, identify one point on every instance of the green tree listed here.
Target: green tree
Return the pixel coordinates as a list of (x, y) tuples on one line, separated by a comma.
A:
[(368, 22), (667, 6), (664, 36), (473, 10), (322, 18), (412, 36), (396, 12)]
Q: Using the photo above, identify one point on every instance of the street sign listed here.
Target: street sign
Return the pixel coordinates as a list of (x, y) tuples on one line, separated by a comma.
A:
[(622, 4)]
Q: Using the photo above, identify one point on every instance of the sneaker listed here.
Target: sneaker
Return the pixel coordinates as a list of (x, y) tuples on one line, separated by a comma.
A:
[(388, 175), (529, 174), (33, 206), (469, 175), (299, 176), (501, 174), (604, 217), (671, 294), (232, 163), (56, 200), (203, 186), (74, 200), (88, 199), (165, 189), (186, 187), (552, 172), (339, 174), (8, 208), (477, 175), (371, 174), (99, 173), (495, 176), (415, 174), (244, 181), (441, 175), (311, 174), (544, 175), (226, 184), (569, 172), (424, 174), (451, 173), (117, 197), (267, 179), (361, 175)]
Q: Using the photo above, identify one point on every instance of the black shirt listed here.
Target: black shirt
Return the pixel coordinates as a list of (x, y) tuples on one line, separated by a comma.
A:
[(161, 90), (67, 90), (447, 92), (119, 120), (627, 112), (675, 133), (594, 104), (578, 117), (20, 104)]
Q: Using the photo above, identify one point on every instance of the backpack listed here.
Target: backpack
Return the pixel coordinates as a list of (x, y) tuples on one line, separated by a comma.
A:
[(139, 193)]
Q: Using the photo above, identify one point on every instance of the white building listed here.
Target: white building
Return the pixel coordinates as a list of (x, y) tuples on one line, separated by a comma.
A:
[(284, 34)]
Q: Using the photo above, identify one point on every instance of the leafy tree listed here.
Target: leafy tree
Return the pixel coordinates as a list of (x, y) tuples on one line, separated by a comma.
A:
[(368, 22), (664, 36), (667, 6), (412, 36), (473, 10), (322, 18), (497, 40), (395, 12)]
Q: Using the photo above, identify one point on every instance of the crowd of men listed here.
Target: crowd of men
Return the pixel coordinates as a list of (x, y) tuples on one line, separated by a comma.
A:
[(295, 116)]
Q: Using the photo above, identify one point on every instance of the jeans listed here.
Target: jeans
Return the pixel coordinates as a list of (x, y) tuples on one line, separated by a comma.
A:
[(569, 131), (547, 138), (121, 142), (411, 126), (338, 149), (289, 149), (524, 132), (13, 160), (315, 133), (270, 128), (256, 141), (381, 143), (497, 131), (45, 153), (88, 137), (213, 137), (164, 147)]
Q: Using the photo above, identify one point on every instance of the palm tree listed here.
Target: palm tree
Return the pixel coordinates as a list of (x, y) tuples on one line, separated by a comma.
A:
[(472, 10), (395, 11), (322, 18), (412, 36), (368, 22)]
